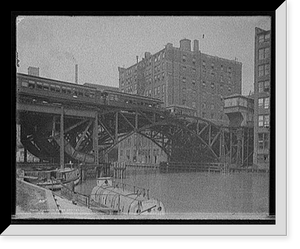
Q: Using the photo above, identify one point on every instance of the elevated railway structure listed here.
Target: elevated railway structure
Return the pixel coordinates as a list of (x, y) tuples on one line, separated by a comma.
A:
[(62, 122)]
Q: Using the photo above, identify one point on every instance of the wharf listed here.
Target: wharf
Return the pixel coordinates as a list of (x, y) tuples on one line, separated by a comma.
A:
[(34, 202)]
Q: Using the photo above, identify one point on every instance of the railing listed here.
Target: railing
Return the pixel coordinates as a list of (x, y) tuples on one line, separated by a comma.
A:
[(191, 167), (145, 192)]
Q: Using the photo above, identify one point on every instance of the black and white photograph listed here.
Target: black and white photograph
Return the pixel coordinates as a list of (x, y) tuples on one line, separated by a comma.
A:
[(146, 119)]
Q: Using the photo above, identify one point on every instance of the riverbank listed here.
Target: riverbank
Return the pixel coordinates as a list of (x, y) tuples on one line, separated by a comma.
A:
[(34, 202)]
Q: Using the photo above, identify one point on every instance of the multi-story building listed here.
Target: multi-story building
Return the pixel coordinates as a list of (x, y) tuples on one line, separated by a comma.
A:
[(185, 79), (262, 77)]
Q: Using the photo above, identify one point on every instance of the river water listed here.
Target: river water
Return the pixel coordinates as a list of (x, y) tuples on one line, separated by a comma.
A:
[(200, 192)]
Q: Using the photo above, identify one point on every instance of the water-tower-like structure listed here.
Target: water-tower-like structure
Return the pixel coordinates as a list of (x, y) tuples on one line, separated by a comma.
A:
[(240, 111)]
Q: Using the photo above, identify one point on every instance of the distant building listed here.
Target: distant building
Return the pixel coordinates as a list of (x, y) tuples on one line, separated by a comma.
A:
[(34, 71), (186, 78), (101, 87), (262, 80), (187, 81), (240, 110)]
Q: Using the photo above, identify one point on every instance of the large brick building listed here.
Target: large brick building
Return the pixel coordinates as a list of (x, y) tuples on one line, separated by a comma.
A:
[(185, 79), (262, 78)]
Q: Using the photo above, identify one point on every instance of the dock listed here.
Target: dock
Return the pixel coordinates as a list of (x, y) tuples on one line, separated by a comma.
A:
[(34, 202)]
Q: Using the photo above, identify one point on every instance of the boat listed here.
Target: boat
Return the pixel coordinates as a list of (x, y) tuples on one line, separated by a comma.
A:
[(115, 196), (52, 179)]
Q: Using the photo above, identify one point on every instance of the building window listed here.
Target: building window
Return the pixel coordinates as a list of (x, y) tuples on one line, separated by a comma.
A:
[(261, 70), (267, 86), (262, 158), (203, 64), (263, 86), (266, 121), (261, 120), (267, 69), (266, 103), (267, 53), (184, 58), (260, 102), (267, 36), (263, 53), (263, 141), (261, 38), (194, 94)]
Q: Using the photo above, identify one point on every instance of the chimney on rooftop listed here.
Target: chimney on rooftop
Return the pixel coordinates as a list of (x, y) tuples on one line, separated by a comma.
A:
[(76, 73), (35, 71), (185, 44)]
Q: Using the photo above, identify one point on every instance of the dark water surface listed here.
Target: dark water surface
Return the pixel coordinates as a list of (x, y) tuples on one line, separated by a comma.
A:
[(201, 192)]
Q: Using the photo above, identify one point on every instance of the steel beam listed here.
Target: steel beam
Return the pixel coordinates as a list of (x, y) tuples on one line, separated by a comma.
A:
[(54, 109), (95, 139), (62, 140), (83, 135)]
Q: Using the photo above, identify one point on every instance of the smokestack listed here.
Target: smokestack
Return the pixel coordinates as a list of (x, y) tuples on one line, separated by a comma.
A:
[(76, 73)]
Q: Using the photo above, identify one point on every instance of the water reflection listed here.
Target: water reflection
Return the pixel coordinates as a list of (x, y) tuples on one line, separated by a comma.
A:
[(201, 192)]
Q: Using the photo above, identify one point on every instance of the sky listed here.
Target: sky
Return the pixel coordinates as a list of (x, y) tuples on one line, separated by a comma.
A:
[(101, 44)]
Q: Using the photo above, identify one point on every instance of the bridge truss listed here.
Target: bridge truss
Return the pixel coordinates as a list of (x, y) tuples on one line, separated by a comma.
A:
[(61, 132)]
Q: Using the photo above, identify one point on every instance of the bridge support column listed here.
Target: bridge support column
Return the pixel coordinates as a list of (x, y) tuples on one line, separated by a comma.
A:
[(62, 140), (95, 139)]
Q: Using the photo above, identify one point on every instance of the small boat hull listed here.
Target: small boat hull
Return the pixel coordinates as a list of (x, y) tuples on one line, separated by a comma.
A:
[(52, 179)]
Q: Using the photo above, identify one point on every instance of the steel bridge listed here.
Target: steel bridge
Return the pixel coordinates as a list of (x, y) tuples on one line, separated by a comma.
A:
[(58, 130)]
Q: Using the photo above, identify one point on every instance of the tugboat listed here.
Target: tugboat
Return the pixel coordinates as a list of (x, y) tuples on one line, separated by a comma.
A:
[(112, 195), (52, 178)]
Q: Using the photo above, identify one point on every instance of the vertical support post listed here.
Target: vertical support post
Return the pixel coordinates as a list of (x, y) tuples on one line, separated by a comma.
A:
[(136, 121), (220, 148), (62, 140), (209, 135), (230, 146), (116, 127), (243, 146), (95, 139), (25, 155)]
